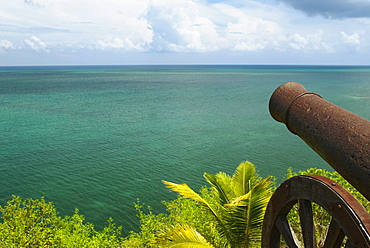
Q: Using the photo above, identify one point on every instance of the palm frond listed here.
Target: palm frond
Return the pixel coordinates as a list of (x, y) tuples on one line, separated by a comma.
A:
[(258, 191), (243, 178), (183, 236), (221, 183), (239, 201), (186, 191), (247, 212), (238, 204)]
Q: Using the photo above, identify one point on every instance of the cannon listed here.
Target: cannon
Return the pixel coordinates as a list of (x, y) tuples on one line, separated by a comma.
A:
[(342, 139)]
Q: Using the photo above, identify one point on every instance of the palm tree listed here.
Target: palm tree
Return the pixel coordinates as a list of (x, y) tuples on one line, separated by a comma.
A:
[(239, 205), (183, 236)]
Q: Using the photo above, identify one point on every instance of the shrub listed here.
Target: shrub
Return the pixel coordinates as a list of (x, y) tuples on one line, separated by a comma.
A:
[(35, 223)]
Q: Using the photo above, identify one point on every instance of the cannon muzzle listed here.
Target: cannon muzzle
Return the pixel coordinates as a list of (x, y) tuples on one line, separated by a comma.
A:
[(339, 136)]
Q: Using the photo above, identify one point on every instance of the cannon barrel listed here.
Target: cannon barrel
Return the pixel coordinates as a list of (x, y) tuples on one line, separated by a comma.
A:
[(339, 136)]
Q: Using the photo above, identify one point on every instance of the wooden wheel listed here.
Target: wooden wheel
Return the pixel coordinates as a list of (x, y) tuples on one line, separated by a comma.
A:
[(350, 223)]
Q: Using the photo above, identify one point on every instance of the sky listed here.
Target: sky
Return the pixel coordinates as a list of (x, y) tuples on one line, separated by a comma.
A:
[(131, 32)]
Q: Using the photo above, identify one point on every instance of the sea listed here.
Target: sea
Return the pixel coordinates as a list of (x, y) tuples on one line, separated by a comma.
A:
[(100, 138)]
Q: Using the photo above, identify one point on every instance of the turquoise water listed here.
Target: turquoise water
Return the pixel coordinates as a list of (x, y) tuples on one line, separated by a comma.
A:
[(97, 138)]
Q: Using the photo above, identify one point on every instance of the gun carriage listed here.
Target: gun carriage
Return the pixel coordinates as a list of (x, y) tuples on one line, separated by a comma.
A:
[(342, 139)]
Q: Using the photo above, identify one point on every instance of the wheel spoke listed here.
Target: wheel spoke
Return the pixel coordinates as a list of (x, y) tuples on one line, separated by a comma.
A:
[(307, 225), (349, 244), (335, 235), (349, 218), (286, 232)]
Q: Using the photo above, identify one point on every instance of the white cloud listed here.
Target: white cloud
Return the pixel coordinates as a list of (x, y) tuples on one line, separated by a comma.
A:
[(83, 22), (189, 26), (310, 42), (5, 44), (353, 39), (181, 26), (248, 32), (36, 44), (352, 42), (298, 42), (118, 43)]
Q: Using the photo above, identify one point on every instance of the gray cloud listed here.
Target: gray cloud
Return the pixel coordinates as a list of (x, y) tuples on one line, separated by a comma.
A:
[(336, 9), (32, 3)]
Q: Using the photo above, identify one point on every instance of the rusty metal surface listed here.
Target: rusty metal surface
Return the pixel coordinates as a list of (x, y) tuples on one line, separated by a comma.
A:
[(347, 212), (339, 136)]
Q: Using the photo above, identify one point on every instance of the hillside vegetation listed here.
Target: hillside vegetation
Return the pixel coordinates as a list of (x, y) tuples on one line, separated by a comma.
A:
[(226, 213)]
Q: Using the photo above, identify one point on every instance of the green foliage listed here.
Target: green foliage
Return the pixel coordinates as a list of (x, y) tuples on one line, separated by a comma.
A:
[(180, 211), (228, 213), (237, 204), (185, 211), (35, 223), (151, 225)]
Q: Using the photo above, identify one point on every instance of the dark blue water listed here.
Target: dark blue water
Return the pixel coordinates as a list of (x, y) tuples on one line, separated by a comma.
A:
[(97, 138)]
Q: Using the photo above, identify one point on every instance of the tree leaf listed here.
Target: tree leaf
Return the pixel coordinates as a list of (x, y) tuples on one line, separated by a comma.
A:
[(183, 236), (243, 178)]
